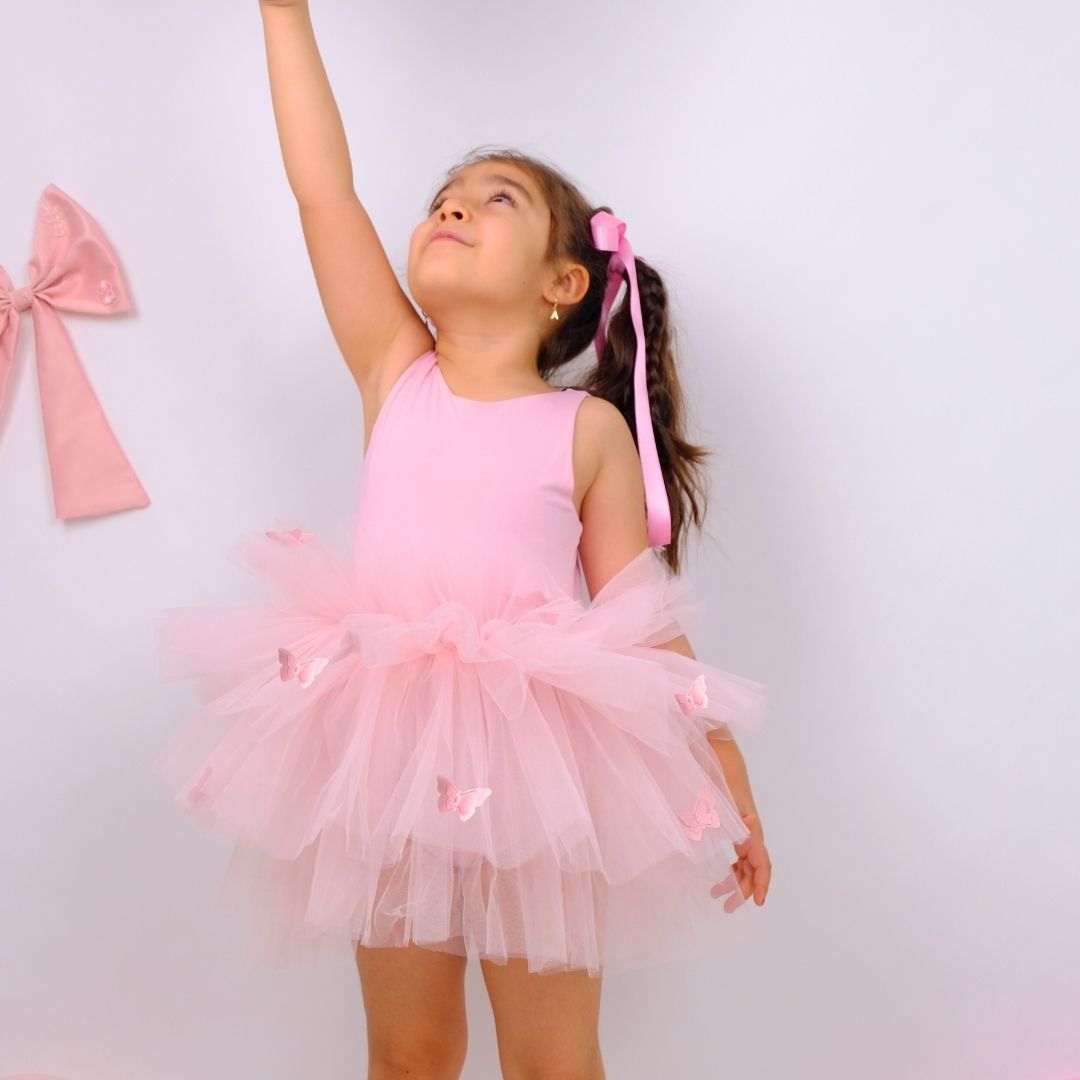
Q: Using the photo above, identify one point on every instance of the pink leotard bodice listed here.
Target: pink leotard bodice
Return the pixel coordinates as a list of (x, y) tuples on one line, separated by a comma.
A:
[(467, 500)]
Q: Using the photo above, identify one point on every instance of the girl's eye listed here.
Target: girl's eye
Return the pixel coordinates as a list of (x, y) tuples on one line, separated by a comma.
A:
[(494, 195)]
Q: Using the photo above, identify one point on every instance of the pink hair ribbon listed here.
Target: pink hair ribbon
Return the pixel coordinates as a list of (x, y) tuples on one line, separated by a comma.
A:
[(73, 268), (609, 234)]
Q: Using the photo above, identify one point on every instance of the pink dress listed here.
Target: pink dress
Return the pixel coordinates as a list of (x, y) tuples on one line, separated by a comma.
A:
[(434, 737)]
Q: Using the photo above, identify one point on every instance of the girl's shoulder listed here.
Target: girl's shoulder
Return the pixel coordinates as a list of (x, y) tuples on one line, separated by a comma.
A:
[(603, 441), (599, 423)]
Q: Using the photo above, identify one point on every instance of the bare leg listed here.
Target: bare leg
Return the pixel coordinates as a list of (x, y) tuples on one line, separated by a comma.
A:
[(414, 999), (547, 1024)]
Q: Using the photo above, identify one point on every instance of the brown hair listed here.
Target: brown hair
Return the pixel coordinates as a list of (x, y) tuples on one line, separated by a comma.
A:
[(612, 378)]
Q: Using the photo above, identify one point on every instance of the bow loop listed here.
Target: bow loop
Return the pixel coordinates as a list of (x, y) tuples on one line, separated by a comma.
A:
[(607, 231), (73, 268)]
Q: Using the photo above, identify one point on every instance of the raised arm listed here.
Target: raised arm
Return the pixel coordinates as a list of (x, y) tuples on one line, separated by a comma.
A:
[(364, 303)]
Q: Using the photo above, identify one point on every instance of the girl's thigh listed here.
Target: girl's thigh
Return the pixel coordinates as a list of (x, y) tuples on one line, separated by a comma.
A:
[(414, 1000), (545, 1022)]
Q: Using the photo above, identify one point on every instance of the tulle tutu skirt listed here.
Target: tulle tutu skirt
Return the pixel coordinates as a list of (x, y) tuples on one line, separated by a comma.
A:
[(537, 785)]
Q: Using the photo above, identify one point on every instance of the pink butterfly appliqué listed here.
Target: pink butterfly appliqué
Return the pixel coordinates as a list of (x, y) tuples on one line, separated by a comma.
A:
[(289, 536), (694, 698), (451, 797), (304, 671), (702, 815)]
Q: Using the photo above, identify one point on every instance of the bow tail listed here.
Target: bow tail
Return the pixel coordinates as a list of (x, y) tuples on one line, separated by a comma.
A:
[(657, 505), (90, 473)]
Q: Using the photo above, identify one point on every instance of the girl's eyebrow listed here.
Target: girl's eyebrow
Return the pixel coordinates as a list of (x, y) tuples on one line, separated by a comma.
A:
[(490, 178)]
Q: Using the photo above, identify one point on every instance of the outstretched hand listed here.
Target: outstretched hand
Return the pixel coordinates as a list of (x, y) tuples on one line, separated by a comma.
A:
[(752, 870)]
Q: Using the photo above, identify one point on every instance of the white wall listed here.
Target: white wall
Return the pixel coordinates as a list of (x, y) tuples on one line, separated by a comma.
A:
[(867, 214)]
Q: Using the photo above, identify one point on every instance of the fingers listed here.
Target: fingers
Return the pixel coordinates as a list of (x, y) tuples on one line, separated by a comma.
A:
[(751, 875), (760, 870), (753, 872)]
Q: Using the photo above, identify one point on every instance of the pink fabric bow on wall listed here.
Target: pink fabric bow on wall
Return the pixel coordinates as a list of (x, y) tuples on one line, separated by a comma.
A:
[(74, 268)]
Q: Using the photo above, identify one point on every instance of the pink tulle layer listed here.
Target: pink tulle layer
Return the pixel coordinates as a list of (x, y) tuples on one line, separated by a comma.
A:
[(536, 785)]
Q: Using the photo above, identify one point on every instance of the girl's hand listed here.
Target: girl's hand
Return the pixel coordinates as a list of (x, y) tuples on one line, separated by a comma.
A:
[(281, 3), (752, 870)]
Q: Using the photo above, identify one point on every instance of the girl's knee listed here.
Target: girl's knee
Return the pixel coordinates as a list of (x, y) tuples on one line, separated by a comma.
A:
[(424, 1058), (556, 1063), (414, 1004)]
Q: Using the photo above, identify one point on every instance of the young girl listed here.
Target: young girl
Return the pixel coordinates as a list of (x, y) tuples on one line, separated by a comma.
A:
[(429, 746)]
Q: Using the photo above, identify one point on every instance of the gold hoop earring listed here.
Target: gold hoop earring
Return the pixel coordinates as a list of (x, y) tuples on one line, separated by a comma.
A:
[(554, 312)]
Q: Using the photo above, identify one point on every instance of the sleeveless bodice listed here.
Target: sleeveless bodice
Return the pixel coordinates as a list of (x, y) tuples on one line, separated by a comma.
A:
[(467, 500)]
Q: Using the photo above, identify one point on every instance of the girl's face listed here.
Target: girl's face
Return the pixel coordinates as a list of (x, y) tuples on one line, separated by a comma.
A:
[(494, 277)]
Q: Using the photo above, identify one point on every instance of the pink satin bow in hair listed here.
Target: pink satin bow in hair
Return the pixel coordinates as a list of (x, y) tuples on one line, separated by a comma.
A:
[(609, 234), (74, 268)]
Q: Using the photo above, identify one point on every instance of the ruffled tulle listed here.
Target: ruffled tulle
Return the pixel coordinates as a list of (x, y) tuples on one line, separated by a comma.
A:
[(536, 784)]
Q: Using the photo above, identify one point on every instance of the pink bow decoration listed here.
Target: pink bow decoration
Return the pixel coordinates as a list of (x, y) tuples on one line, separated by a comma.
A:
[(609, 234), (451, 797), (73, 268), (702, 815), (304, 671), (694, 698)]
